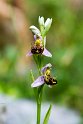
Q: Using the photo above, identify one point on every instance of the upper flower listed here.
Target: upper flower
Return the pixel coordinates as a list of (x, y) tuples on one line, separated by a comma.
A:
[(45, 78), (38, 47)]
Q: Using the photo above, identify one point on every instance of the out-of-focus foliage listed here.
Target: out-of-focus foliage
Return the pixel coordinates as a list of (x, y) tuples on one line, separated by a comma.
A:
[(64, 40)]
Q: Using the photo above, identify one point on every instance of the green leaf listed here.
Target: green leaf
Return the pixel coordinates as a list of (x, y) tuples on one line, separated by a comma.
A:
[(47, 115)]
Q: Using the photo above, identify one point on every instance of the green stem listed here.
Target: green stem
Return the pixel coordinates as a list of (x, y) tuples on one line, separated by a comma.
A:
[(37, 61), (40, 89), (38, 111)]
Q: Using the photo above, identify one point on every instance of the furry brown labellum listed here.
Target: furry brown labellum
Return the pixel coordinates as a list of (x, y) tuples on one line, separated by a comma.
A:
[(37, 49), (50, 81)]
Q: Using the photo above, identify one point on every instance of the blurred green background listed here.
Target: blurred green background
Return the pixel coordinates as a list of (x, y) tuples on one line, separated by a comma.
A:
[(64, 41)]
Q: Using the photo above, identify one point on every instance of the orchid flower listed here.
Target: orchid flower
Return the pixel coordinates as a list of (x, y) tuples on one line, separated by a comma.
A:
[(45, 78), (38, 47)]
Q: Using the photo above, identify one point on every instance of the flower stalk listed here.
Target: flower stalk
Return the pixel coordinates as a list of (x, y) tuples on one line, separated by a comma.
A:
[(38, 49), (39, 99)]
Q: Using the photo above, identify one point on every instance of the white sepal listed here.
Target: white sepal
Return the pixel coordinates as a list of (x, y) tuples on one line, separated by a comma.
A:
[(35, 30)]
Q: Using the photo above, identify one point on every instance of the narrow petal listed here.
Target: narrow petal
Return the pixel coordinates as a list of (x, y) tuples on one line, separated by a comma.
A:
[(45, 67), (47, 53), (38, 82), (29, 54)]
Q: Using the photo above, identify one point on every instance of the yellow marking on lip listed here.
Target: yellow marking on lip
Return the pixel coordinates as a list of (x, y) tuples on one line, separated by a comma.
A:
[(38, 42), (47, 72)]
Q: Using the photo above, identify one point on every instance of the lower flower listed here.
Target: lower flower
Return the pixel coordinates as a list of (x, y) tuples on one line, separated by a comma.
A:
[(46, 77)]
